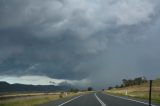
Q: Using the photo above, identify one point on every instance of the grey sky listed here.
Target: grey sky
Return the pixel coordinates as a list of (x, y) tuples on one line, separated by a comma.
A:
[(98, 42)]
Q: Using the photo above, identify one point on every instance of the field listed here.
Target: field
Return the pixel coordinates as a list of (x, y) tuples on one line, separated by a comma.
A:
[(139, 91), (31, 99)]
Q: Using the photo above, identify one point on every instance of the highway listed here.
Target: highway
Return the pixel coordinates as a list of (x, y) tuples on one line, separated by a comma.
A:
[(97, 99)]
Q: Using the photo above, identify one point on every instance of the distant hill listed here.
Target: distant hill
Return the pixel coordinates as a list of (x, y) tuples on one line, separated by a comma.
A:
[(6, 87)]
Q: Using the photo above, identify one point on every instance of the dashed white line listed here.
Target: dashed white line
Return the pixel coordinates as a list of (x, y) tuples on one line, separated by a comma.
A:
[(69, 100), (100, 101), (131, 100)]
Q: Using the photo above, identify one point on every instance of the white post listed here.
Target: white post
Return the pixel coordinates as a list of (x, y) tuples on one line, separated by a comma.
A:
[(126, 92)]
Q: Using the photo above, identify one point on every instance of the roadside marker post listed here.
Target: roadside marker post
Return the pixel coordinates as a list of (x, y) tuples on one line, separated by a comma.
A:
[(150, 92)]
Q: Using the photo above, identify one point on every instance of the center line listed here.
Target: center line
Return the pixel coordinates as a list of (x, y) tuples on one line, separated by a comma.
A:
[(69, 100), (100, 101)]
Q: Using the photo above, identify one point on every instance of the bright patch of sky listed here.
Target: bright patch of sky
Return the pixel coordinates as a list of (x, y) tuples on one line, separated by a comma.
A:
[(35, 80)]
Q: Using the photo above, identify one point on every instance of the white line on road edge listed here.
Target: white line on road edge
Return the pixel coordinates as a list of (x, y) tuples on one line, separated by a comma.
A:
[(100, 101), (69, 100), (131, 100)]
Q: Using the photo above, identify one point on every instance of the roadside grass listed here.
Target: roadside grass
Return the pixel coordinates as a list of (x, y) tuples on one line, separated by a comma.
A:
[(28, 101), (34, 100), (139, 91)]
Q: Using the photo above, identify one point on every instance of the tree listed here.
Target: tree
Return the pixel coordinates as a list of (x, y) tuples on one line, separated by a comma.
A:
[(136, 81), (121, 86), (90, 88), (75, 90), (125, 82), (109, 88), (117, 86)]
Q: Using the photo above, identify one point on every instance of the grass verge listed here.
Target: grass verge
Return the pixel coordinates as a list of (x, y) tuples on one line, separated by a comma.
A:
[(139, 91), (33, 100)]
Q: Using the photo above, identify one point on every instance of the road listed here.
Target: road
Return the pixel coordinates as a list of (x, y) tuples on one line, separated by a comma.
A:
[(96, 99)]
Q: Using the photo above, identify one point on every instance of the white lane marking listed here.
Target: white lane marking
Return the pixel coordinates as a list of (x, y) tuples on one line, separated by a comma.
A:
[(130, 100), (100, 101), (69, 100)]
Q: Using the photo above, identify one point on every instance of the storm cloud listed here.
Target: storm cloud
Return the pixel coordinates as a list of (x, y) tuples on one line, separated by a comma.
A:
[(99, 41)]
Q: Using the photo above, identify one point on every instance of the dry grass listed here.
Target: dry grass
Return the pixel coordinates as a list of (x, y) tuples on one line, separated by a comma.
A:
[(139, 91), (34, 100)]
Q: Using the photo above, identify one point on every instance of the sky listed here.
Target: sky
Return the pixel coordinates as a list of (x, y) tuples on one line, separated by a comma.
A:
[(84, 42)]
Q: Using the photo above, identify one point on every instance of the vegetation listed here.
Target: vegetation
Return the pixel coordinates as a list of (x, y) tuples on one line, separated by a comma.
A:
[(138, 90), (130, 82), (75, 90), (109, 88), (28, 101), (136, 81), (34, 100), (90, 88)]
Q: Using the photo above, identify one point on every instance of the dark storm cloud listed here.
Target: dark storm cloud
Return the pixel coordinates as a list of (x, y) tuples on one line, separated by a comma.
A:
[(79, 39)]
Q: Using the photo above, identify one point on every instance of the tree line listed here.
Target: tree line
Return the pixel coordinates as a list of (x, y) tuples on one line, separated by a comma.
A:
[(75, 90), (130, 82)]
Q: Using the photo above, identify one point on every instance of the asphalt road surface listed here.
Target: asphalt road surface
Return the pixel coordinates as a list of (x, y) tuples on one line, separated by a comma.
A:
[(96, 99)]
